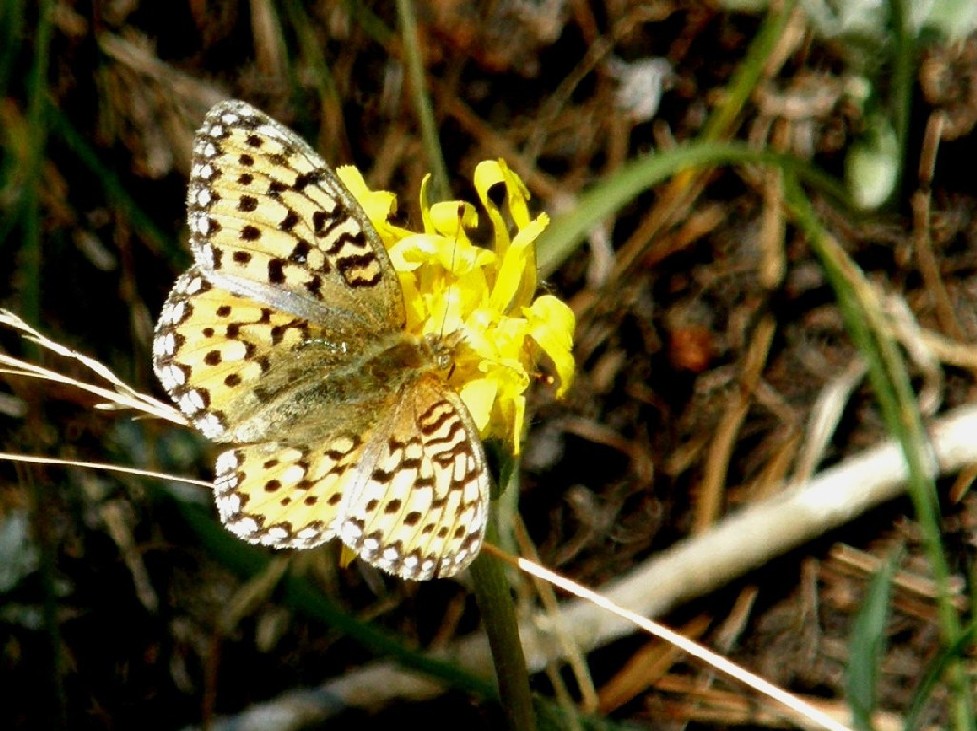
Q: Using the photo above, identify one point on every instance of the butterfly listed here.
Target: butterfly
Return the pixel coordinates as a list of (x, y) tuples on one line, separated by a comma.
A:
[(286, 341)]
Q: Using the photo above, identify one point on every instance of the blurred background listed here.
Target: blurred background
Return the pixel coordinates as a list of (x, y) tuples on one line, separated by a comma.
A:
[(709, 336)]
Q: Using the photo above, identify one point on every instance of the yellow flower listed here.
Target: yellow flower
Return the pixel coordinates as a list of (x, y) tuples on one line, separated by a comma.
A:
[(482, 297)]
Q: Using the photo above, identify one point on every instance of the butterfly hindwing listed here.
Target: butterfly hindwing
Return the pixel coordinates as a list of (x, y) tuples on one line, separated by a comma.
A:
[(285, 495), (418, 508)]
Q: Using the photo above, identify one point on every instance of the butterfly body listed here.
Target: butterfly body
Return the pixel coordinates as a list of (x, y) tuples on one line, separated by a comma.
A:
[(287, 340)]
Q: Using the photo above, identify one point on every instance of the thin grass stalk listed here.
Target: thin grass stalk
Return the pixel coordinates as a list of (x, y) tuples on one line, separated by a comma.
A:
[(115, 190), (565, 233), (440, 190), (865, 323), (902, 80), (29, 274), (748, 73)]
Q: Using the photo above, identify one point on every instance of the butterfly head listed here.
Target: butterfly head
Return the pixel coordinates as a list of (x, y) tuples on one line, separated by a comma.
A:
[(442, 349)]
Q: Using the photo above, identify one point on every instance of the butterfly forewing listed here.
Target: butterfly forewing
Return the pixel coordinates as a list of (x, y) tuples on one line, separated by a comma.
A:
[(269, 218)]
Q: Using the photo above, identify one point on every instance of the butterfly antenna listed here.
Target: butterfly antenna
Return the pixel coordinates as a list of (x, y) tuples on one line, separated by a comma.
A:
[(454, 252)]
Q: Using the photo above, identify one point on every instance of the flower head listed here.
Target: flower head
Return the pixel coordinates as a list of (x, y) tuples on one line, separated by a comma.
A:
[(483, 297)]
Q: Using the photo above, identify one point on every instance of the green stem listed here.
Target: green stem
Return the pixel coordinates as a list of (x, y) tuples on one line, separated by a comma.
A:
[(115, 189), (30, 303), (440, 190), (30, 261), (498, 614), (748, 73), (903, 77), (11, 38), (499, 620)]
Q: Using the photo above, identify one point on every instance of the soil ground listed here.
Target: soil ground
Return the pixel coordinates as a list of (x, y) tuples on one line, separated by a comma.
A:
[(707, 332)]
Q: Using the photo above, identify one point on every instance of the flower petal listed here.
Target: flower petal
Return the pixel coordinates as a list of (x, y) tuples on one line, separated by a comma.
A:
[(551, 325), (516, 282)]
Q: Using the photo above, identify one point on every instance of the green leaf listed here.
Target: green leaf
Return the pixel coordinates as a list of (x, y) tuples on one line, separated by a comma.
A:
[(867, 647)]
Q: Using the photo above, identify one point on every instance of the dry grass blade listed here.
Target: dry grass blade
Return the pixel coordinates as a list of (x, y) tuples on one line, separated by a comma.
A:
[(120, 396)]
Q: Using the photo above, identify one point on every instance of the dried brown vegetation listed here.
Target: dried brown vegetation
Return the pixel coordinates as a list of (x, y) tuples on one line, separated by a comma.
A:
[(708, 334)]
